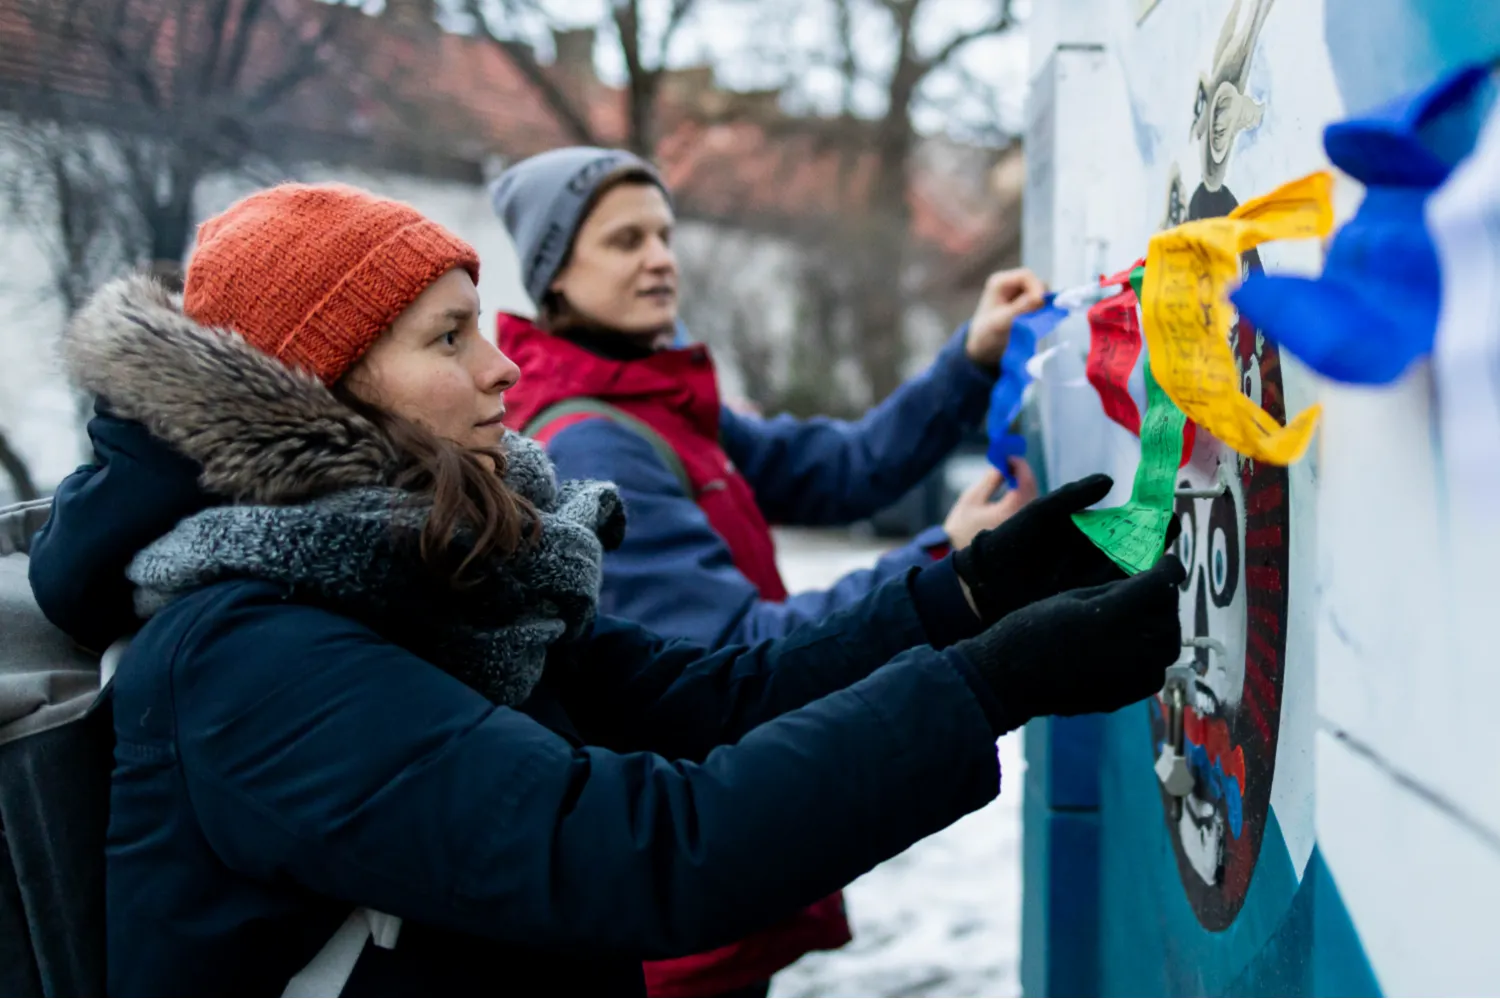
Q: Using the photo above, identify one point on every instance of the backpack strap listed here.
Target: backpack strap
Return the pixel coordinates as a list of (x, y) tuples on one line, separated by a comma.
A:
[(329, 970), (545, 423), (19, 523)]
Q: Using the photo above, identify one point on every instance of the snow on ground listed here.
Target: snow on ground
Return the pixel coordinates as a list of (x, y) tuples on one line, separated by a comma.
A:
[(944, 918)]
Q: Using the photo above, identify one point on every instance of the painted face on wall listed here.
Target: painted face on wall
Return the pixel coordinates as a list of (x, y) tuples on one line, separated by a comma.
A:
[(1212, 606), (1234, 546)]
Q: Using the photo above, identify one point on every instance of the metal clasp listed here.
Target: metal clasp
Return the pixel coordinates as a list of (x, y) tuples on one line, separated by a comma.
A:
[(1221, 484), (1172, 766)]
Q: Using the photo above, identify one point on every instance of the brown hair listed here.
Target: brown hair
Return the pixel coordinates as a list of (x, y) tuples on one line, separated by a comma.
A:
[(553, 311), (469, 503)]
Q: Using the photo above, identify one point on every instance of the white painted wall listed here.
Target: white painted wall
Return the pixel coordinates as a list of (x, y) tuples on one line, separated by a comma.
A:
[(1386, 756)]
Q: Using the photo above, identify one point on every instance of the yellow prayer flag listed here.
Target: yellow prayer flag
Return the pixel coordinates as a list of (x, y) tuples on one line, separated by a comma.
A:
[(1186, 315)]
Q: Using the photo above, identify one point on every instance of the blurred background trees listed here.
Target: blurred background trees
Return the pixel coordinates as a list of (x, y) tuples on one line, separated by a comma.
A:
[(845, 170)]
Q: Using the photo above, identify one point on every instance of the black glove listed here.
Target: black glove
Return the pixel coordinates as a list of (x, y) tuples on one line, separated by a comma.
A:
[(1082, 651), (1040, 552)]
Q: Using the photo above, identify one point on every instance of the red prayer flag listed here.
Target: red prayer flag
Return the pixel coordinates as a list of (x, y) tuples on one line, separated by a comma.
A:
[(1114, 349)]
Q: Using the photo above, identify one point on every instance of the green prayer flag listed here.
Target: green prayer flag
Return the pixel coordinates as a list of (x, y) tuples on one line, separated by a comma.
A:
[(1133, 535), (1137, 278)]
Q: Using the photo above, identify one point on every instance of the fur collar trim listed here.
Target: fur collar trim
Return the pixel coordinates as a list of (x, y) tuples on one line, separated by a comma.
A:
[(262, 432)]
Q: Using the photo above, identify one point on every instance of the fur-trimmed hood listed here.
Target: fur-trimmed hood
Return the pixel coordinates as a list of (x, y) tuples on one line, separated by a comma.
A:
[(262, 432), (311, 505)]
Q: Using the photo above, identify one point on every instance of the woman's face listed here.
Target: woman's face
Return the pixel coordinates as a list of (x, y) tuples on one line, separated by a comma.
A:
[(622, 273), (435, 368)]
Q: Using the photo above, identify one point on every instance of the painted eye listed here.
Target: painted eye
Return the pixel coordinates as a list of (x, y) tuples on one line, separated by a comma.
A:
[(1250, 382), (1220, 119), (1222, 560), (1184, 550), (1218, 561)]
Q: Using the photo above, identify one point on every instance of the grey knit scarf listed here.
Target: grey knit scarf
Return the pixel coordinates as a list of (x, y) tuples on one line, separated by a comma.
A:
[(355, 552)]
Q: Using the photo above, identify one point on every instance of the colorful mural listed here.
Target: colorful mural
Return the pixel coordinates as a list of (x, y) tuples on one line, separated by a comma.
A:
[(1235, 547), (1335, 823)]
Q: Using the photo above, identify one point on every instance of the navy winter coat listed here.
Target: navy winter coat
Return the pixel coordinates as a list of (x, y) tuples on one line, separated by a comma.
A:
[(278, 764)]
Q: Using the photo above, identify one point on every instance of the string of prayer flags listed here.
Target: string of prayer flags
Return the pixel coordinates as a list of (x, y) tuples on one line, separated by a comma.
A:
[(1134, 535), (1006, 397), (1042, 369), (1189, 270), (1115, 353), (1374, 310)]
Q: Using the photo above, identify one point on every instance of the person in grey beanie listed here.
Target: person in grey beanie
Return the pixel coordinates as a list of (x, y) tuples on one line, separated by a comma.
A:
[(543, 200), (614, 394)]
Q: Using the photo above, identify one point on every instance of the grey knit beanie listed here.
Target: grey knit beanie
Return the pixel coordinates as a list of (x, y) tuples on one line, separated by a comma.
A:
[(541, 202)]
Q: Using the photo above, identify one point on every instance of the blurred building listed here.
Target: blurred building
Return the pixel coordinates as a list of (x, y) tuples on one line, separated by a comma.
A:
[(397, 104)]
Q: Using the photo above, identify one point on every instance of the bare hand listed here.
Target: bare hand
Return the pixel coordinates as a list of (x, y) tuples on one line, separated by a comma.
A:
[(974, 511), (1006, 295)]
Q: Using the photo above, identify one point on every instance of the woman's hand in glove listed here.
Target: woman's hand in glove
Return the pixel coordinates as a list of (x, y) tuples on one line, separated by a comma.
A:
[(1083, 651), (1039, 552)]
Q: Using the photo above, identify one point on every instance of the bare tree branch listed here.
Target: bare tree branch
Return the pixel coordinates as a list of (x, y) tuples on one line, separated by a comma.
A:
[(305, 63), (123, 62), (845, 59), (173, 118), (970, 111), (573, 119), (675, 18), (860, 267), (234, 65), (1002, 22), (504, 23), (642, 82), (627, 18), (217, 67)]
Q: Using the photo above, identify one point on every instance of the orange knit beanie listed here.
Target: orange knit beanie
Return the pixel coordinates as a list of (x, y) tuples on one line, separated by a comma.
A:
[(312, 274)]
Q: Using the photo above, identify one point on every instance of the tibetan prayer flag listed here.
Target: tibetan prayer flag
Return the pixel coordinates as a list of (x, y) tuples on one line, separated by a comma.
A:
[(1374, 310), (1005, 399), (1134, 535), (1115, 353), (1186, 316)]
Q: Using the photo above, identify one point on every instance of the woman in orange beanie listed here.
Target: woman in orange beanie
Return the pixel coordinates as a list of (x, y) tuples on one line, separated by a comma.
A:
[(372, 736)]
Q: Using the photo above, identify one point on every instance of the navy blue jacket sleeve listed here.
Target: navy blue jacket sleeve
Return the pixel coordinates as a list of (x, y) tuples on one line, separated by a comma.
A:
[(79, 582), (822, 471), (632, 690), (673, 573), (477, 818)]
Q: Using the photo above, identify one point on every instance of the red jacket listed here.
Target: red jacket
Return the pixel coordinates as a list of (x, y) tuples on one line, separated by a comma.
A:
[(676, 393)]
